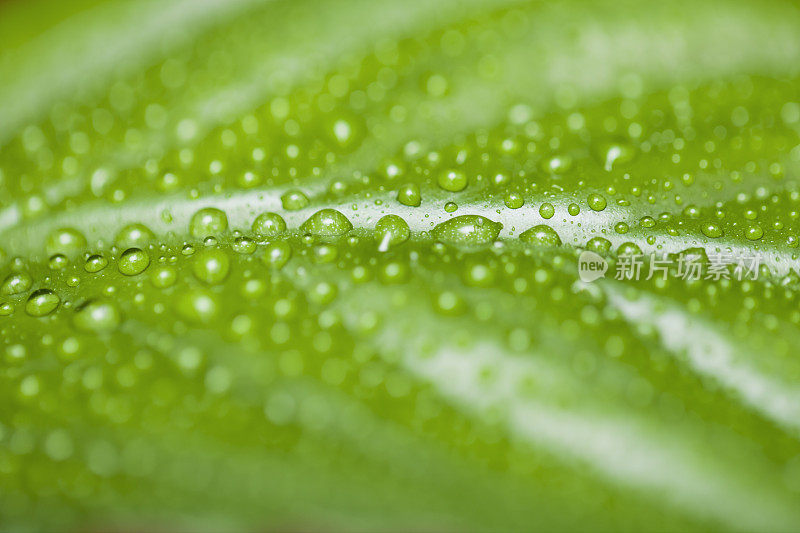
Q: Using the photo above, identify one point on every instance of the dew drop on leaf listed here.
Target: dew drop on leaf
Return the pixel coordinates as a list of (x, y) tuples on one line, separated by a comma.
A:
[(467, 230), (133, 261), (269, 225), (42, 302), (208, 221), (16, 283), (327, 223), (542, 235), (391, 230), (99, 316)]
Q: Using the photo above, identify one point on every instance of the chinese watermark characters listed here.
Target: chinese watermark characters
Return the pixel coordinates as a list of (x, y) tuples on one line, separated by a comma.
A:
[(685, 265)]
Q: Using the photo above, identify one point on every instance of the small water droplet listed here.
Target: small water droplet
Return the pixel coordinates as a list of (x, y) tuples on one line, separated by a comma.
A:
[(711, 230), (452, 180), (514, 200), (754, 232), (294, 200), (596, 201), (95, 263), (409, 195)]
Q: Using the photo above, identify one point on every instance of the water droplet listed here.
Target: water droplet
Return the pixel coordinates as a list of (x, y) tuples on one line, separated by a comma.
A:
[(133, 261), (244, 245), (596, 201), (391, 230), (449, 303), (42, 302), (546, 210), (409, 195), (452, 180), (163, 276), (66, 241), (294, 200), (343, 132), (479, 275), (754, 233), (574, 209), (621, 227), (95, 263), (615, 154), (277, 254), (450, 207), (58, 262), (711, 230), (198, 305), (599, 245), (211, 266), (208, 221), (325, 253), (134, 236), (468, 230), (647, 222), (16, 283), (514, 200), (269, 225), (99, 316), (327, 223), (557, 164), (629, 248), (542, 234), (393, 272)]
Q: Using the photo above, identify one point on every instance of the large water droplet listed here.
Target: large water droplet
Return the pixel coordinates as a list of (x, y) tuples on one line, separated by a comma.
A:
[(269, 225), (467, 230), (42, 302), (452, 180), (542, 234), (596, 201), (66, 241), (98, 316), (211, 266), (391, 230), (208, 221), (16, 283), (133, 261), (277, 254), (327, 223), (134, 236)]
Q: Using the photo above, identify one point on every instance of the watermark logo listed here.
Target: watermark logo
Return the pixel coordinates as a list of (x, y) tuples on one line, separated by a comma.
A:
[(685, 266), (591, 266)]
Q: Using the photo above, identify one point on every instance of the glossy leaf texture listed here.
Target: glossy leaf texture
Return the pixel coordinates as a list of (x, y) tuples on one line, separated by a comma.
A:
[(314, 265)]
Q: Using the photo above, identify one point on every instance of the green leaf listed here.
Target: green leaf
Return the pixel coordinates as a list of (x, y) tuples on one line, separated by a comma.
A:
[(315, 265)]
